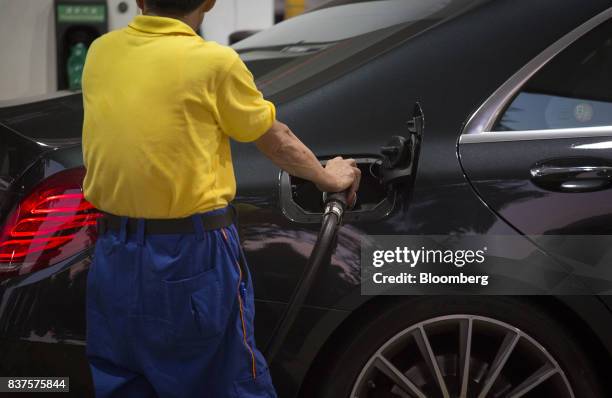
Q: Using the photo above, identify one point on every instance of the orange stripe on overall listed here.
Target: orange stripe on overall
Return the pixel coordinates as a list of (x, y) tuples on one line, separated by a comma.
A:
[(241, 305)]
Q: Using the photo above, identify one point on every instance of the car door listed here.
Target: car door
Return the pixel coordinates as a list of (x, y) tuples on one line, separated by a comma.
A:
[(539, 151)]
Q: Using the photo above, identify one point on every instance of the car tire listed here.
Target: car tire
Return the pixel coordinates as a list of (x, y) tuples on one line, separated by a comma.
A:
[(352, 357)]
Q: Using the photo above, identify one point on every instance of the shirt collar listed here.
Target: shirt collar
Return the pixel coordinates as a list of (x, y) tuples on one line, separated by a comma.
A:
[(160, 25)]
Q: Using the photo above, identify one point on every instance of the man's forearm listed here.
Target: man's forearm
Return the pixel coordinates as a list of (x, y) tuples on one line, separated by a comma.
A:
[(283, 148)]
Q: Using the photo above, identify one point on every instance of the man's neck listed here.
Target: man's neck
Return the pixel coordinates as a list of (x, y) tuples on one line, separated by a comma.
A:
[(189, 19)]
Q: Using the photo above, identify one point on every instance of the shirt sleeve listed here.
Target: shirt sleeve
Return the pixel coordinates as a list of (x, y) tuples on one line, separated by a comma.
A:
[(244, 114)]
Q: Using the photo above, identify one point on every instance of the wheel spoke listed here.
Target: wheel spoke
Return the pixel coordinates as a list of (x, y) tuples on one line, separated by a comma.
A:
[(501, 357), (397, 376), (537, 378), (465, 352), (430, 358)]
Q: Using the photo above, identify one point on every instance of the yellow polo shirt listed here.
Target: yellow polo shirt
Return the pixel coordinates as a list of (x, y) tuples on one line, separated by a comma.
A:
[(160, 106)]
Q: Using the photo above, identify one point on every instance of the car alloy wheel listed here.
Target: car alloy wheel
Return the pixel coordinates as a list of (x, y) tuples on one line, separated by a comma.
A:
[(462, 356)]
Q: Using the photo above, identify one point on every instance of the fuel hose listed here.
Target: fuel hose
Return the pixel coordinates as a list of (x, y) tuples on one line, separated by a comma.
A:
[(335, 205)]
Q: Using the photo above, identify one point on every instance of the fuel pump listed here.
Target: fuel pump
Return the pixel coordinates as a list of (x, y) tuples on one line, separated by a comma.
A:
[(77, 24)]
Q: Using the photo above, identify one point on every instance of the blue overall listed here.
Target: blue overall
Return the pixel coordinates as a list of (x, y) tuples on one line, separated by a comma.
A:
[(172, 316)]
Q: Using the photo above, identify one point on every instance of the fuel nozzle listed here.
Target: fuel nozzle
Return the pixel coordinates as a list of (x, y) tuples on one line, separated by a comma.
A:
[(336, 203)]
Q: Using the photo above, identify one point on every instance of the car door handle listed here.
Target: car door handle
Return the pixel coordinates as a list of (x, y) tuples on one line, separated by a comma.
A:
[(558, 178)]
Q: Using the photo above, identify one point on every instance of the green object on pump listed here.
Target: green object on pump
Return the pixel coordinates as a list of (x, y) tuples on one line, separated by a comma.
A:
[(76, 62)]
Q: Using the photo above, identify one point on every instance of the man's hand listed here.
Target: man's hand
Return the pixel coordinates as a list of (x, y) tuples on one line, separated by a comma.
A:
[(343, 174), (283, 148)]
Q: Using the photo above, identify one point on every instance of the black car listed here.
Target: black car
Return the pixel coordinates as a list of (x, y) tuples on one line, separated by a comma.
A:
[(516, 100)]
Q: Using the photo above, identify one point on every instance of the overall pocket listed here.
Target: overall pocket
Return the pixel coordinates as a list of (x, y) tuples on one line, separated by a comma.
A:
[(197, 309)]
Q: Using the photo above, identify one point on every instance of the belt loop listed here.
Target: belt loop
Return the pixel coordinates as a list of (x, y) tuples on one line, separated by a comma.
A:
[(123, 230), (140, 231), (198, 226)]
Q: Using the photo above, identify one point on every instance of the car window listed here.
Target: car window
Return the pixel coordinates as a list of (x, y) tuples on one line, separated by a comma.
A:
[(304, 47), (573, 90)]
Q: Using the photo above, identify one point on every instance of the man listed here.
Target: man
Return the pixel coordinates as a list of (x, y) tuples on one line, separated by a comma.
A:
[(169, 296)]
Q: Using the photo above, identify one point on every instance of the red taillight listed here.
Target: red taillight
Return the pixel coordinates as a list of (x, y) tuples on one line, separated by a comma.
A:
[(51, 224)]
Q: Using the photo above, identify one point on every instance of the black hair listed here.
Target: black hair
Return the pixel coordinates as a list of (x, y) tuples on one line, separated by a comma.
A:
[(180, 7)]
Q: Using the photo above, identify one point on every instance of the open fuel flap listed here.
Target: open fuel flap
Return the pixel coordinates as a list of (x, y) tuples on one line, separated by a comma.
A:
[(384, 178)]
